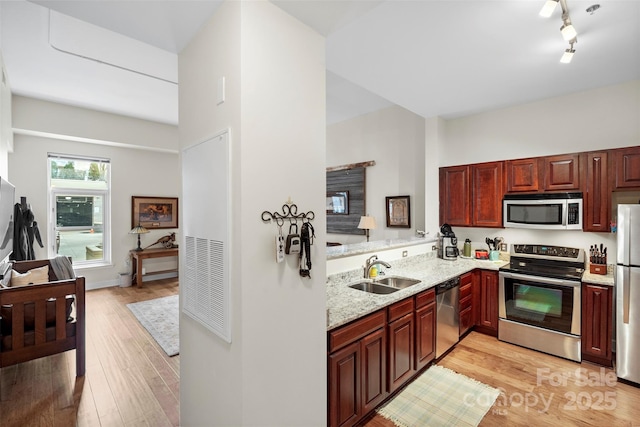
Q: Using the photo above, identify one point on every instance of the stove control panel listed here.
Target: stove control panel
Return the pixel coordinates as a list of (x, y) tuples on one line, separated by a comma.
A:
[(546, 250)]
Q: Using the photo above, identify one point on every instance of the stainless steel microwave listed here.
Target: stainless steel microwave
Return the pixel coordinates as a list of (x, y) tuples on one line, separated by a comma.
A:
[(547, 211)]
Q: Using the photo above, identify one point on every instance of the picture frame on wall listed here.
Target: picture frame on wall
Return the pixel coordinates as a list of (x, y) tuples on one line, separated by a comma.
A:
[(398, 211), (154, 212)]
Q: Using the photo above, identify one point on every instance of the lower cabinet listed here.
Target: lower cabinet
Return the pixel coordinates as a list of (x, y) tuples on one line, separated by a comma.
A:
[(425, 328), (597, 324), (487, 321), (401, 343), (357, 369)]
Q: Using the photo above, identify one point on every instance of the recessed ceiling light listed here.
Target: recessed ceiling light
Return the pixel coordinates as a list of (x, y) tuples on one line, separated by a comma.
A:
[(591, 9)]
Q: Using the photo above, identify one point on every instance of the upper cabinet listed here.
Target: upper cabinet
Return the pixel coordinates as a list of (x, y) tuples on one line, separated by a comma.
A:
[(562, 173), (551, 173), (455, 195), (627, 168), (471, 195), (522, 175), (597, 194), (488, 189)]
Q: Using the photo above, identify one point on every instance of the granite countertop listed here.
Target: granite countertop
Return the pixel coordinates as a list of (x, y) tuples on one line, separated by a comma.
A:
[(345, 304), (599, 279)]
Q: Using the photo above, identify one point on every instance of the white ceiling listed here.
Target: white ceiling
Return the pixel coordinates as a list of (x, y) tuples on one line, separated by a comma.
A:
[(444, 58)]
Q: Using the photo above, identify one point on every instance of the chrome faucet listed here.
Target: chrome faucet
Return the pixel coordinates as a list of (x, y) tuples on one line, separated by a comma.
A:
[(370, 262)]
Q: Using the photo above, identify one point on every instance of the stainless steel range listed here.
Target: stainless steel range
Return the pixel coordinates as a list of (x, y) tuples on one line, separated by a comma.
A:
[(539, 304)]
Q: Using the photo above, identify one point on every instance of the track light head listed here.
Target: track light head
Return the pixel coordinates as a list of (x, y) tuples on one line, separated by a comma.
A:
[(567, 56), (548, 8), (568, 31)]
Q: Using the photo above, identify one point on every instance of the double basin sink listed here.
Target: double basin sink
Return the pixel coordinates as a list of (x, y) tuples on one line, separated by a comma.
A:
[(385, 285)]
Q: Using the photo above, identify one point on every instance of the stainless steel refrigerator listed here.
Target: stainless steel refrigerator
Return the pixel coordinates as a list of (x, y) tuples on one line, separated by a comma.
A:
[(628, 294)]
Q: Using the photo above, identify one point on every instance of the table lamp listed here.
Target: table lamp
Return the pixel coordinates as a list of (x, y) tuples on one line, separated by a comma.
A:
[(367, 223), (138, 230)]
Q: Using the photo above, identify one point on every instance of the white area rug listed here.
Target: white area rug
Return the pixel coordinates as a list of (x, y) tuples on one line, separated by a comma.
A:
[(160, 317), (440, 397)]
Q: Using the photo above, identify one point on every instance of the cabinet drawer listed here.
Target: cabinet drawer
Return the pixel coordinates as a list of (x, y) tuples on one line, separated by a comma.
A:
[(466, 320), (345, 335), (465, 302), (401, 308), (425, 298), (465, 291)]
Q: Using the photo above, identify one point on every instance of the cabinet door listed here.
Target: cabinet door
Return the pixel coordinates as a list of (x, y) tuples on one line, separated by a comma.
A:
[(597, 197), (488, 189), (455, 196), (344, 386), (374, 370), (562, 172), (401, 342), (597, 324), (627, 167), (522, 175), (425, 335), (489, 302)]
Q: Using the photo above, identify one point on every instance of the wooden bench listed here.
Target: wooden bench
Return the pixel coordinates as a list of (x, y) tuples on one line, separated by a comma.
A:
[(38, 320)]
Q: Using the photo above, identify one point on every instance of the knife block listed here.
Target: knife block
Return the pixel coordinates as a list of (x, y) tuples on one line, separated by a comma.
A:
[(598, 268)]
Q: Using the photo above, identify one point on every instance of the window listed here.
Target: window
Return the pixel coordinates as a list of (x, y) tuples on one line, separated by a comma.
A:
[(79, 209)]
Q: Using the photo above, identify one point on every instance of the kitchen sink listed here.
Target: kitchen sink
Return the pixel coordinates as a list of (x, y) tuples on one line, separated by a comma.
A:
[(397, 282), (374, 288)]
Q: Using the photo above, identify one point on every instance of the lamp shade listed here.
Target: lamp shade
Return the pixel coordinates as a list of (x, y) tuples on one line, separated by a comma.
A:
[(367, 223), (138, 229)]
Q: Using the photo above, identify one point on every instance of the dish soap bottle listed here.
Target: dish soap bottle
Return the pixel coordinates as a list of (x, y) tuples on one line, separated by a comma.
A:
[(466, 251)]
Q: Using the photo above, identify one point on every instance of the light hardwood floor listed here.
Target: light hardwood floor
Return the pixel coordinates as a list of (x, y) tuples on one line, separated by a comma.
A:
[(538, 389), (130, 381)]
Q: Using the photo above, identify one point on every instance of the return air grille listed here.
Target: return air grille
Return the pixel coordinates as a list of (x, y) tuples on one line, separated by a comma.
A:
[(205, 296)]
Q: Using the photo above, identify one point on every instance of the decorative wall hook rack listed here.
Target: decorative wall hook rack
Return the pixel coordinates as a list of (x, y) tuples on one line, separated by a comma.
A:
[(289, 212)]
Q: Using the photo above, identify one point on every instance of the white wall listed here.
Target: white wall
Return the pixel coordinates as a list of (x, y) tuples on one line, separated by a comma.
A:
[(394, 138), (134, 172), (274, 371), (607, 117), (6, 135)]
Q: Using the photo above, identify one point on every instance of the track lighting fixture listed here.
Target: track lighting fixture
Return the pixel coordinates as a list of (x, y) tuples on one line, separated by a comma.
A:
[(548, 8), (567, 29)]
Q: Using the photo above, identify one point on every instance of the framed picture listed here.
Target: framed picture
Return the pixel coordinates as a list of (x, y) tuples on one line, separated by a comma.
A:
[(337, 203), (154, 212), (398, 212)]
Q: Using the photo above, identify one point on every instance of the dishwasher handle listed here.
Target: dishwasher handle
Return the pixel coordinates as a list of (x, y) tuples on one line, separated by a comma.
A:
[(447, 285)]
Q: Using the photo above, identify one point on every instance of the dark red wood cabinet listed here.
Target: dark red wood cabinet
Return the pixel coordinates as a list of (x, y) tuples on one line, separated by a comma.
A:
[(357, 369), (487, 321), (562, 173), (597, 323), (401, 343), (597, 194), (627, 168), (466, 303), (522, 175), (471, 195), (455, 195), (425, 328), (488, 189)]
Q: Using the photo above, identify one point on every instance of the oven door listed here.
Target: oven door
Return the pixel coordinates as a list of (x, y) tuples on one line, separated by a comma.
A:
[(540, 301)]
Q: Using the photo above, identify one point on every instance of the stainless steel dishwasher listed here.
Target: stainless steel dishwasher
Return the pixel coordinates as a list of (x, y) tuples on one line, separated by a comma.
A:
[(448, 318)]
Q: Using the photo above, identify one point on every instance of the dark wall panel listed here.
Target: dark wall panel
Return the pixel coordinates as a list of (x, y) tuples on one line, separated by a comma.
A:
[(353, 181)]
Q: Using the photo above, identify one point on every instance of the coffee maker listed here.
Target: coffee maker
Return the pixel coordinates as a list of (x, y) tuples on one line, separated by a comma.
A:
[(447, 243)]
